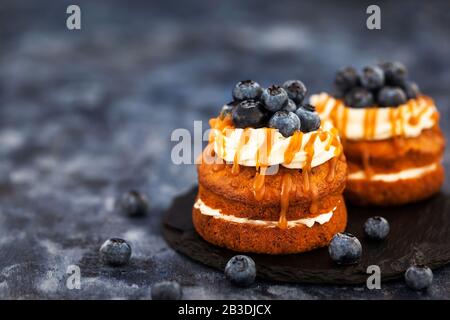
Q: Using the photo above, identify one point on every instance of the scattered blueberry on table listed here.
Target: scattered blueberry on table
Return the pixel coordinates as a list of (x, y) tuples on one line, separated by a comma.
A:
[(134, 204), (115, 252), (376, 228), (166, 290), (419, 277), (241, 270), (345, 248)]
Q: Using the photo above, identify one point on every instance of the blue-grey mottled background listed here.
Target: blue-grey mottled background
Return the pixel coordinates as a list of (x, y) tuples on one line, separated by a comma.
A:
[(86, 115)]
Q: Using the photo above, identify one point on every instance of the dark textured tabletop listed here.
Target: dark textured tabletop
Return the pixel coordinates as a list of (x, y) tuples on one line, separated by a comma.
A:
[(87, 115)]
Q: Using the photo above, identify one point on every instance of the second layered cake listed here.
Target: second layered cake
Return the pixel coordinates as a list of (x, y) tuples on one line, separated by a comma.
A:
[(393, 143)]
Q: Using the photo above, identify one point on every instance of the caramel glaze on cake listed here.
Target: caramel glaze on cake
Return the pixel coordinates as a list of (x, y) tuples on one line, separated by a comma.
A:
[(252, 211), (393, 171)]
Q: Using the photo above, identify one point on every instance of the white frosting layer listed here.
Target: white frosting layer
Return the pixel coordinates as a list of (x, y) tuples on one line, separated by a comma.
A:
[(216, 213), (383, 126), (412, 173), (248, 152)]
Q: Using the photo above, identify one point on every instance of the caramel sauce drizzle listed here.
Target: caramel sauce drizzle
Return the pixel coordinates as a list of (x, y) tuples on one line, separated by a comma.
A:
[(286, 186), (263, 152), (331, 169), (366, 164), (393, 121), (294, 146), (415, 119), (344, 121), (218, 126), (320, 106), (309, 149), (262, 161), (259, 187), (243, 140), (370, 118)]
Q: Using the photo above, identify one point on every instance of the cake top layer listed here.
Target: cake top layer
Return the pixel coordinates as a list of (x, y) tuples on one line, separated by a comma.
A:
[(406, 120), (280, 107), (263, 147)]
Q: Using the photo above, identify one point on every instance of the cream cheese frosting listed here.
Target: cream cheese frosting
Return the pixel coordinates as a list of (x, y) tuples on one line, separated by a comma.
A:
[(216, 213), (229, 141), (407, 120), (406, 174)]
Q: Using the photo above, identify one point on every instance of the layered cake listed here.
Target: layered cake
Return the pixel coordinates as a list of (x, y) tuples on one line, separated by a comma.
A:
[(272, 176), (390, 133)]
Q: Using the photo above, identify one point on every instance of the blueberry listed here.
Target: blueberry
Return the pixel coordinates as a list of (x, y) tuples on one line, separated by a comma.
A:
[(394, 73), (226, 111), (134, 204), (376, 228), (290, 106), (166, 290), (359, 98), (274, 98), (391, 97), (345, 248), (246, 90), (286, 122), (419, 277), (346, 79), (310, 120), (115, 252), (249, 113), (411, 89), (372, 78), (296, 90), (241, 270)]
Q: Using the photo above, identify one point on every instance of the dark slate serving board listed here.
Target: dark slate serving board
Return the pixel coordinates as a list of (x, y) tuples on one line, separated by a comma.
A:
[(419, 233)]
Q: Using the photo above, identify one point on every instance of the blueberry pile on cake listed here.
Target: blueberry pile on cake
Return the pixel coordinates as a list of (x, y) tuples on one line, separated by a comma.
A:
[(390, 134), (272, 176)]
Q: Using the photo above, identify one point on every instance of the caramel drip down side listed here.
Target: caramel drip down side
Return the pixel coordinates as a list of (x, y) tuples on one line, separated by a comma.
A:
[(259, 187), (262, 162), (286, 185), (294, 146), (370, 118), (415, 118), (309, 149), (366, 164), (243, 140), (331, 169), (344, 122)]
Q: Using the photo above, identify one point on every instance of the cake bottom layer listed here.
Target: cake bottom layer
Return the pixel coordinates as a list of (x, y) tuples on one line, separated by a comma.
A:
[(407, 186), (266, 238)]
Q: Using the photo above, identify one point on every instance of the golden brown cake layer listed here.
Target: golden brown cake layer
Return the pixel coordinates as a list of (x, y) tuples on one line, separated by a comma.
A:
[(367, 192), (262, 211), (392, 155), (245, 237), (240, 187)]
